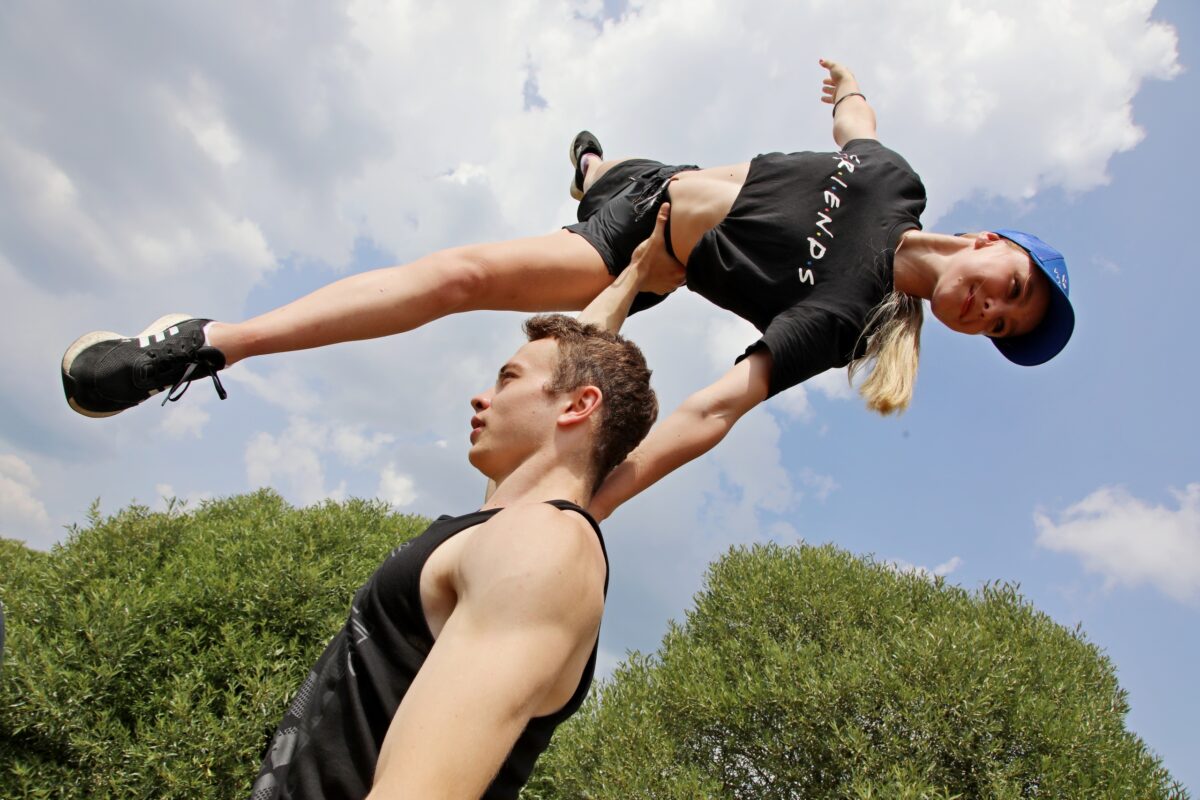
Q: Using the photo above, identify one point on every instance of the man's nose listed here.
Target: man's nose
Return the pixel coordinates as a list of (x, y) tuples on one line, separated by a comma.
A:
[(481, 401)]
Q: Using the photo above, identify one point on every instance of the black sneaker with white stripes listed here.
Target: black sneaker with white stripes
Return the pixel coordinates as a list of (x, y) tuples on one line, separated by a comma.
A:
[(104, 373)]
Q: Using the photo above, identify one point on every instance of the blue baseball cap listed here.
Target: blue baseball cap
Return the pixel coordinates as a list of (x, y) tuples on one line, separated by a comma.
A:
[(1054, 331)]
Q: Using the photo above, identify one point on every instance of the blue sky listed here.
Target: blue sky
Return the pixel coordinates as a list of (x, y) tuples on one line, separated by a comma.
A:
[(219, 161)]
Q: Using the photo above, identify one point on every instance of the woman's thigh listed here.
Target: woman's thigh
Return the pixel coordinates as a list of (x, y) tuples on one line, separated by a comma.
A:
[(556, 272)]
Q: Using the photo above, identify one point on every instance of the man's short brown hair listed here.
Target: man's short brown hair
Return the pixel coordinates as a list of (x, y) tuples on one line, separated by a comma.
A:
[(591, 356)]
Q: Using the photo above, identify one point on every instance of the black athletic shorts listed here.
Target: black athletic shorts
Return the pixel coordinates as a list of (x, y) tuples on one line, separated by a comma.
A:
[(618, 211)]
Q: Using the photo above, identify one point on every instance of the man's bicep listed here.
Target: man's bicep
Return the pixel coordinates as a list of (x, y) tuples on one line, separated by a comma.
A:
[(514, 647), (470, 702), (472, 698), (533, 582)]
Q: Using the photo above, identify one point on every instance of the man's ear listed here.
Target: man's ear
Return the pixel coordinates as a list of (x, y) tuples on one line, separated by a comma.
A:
[(585, 401)]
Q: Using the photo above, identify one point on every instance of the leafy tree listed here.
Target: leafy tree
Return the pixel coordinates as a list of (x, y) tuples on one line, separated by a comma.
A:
[(805, 672), (152, 654)]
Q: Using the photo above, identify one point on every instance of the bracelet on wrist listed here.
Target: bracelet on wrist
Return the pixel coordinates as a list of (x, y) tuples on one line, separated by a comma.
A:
[(843, 97)]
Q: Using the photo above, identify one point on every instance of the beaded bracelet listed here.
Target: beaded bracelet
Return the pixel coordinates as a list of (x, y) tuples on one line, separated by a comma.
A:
[(843, 97)]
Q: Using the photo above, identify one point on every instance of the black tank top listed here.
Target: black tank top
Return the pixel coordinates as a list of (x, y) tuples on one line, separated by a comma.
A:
[(329, 740)]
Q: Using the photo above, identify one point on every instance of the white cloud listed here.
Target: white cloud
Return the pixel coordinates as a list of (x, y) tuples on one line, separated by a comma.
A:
[(820, 485), (832, 383), (947, 567), (140, 175), (396, 488), (165, 492), (466, 173), (294, 458), (940, 571), (784, 532), (183, 420), (1131, 542), (726, 339), (794, 403), (752, 476), (354, 447), (283, 386), (201, 116), (21, 512)]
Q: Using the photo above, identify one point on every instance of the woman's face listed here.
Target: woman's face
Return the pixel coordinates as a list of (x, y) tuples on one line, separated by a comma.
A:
[(992, 288)]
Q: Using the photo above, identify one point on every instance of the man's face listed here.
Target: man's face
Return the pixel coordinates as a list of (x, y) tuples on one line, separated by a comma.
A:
[(516, 416)]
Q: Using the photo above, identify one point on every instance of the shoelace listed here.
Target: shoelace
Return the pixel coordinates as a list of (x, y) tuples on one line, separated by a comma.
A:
[(185, 380)]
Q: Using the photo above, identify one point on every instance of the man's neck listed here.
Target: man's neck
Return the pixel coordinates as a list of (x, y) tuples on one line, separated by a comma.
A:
[(532, 482)]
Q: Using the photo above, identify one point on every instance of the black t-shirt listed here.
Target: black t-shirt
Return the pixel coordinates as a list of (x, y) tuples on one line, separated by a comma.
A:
[(806, 252)]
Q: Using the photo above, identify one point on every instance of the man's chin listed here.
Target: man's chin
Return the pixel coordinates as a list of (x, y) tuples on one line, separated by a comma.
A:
[(478, 456)]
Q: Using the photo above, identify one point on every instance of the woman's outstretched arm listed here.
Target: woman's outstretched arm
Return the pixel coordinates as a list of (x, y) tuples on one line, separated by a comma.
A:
[(853, 117), (651, 269), (691, 431)]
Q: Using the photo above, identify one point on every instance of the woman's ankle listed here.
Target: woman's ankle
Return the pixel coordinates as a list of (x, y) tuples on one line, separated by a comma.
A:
[(587, 163), (223, 336)]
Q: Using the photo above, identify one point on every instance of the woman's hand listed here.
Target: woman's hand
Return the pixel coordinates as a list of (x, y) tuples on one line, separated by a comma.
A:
[(657, 270), (852, 115), (840, 78)]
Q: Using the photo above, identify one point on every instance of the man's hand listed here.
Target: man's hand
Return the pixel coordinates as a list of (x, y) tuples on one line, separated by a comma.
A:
[(659, 272), (651, 269)]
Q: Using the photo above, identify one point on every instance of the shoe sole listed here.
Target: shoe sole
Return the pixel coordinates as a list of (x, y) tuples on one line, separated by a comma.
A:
[(89, 339)]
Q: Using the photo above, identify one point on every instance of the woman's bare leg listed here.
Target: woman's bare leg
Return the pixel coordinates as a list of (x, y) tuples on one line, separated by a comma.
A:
[(556, 272), (595, 167)]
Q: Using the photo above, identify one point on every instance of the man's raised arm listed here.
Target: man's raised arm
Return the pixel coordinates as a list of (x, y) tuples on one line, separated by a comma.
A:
[(651, 269)]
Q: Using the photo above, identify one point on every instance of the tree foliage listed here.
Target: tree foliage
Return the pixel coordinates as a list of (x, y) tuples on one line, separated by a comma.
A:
[(805, 672), (153, 654)]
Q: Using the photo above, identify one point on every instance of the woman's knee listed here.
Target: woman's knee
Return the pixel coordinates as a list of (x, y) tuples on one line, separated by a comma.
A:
[(462, 278)]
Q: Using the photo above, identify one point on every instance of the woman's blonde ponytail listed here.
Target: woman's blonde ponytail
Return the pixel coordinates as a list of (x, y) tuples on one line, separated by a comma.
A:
[(893, 350)]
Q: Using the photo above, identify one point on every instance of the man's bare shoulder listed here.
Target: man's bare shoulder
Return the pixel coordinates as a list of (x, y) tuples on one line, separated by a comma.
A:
[(556, 534), (540, 518), (546, 548)]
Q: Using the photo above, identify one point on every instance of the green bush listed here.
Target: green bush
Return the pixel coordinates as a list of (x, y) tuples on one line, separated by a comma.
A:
[(805, 672), (152, 654)]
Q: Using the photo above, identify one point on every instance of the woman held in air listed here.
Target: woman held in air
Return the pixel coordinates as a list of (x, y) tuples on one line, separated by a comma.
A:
[(822, 252)]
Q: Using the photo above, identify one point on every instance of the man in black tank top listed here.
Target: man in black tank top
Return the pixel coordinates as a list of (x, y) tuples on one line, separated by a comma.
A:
[(473, 641)]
